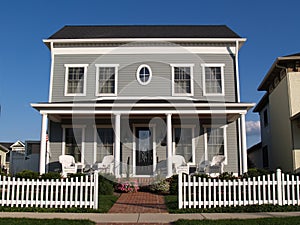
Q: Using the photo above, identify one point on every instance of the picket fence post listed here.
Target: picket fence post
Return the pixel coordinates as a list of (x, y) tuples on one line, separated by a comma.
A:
[(279, 186), (96, 192), (180, 186)]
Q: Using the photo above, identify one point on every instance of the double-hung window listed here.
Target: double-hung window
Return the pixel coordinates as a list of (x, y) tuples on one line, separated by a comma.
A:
[(105, 142), (73, 142), (75, 79), (182, 79), (106, 79), (213, 79), (215, 142), (183, 140)]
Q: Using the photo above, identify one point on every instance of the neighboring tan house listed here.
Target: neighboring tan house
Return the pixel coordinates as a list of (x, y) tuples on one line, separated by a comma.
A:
[(279, 112), (4, 155), (144, 94)]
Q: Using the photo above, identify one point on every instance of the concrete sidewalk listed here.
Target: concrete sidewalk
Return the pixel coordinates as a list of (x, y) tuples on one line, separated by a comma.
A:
[(131, 218)]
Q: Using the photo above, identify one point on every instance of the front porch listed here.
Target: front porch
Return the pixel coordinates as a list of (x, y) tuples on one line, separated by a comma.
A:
[(144, 137)]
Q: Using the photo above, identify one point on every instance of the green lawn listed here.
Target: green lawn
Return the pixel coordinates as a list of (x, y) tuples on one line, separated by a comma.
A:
[(265, 221), (106, 202), (24, 221), (172, 206)]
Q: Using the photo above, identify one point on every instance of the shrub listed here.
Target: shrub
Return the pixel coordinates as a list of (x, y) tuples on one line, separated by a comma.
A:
[(227, 176), (127, 186), (27, 174), (76, 175), (105, 187), (51, 175), (255, 172), (173, 181), (162, 187)]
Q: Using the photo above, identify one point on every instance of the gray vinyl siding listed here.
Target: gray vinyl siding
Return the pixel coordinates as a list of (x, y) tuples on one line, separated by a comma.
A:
[(56, 132), (232, 148), (128, 86)]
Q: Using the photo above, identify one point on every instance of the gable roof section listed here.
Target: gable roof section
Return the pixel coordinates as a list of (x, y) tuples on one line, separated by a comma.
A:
[(145, 31), (276, 68)]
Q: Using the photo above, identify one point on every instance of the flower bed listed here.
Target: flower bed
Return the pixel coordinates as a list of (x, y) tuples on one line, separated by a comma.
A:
[(127, 186)]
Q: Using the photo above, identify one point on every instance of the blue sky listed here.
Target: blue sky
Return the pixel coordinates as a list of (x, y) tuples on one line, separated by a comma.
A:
[(271, 27)]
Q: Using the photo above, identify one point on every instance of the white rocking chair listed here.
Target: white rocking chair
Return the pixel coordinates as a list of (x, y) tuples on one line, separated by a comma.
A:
[(68, 165), (106, 166), (179, 164)]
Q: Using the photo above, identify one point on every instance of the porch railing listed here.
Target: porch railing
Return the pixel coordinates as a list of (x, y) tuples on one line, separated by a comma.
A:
[(276, 189), (59, 193)]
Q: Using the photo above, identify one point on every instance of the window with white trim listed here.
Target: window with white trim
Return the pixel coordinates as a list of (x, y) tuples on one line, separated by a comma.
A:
[(106, 83), (213, 79), (183, 138), (215, 142), (75, 79), (105, 142), (73, 143), (144, 74), (182, 79)]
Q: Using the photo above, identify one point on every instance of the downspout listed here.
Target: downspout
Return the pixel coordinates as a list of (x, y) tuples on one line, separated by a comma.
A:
[(238, 100), (51, 72)]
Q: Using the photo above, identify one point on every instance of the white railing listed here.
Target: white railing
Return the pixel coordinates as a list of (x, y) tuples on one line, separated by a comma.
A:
[(276, 189), (59, 193)]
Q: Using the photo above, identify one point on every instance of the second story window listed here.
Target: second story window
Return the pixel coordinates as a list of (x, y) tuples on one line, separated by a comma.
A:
[(144, 74), (213, 79), (182, 79), (75, 79), (106, 83)]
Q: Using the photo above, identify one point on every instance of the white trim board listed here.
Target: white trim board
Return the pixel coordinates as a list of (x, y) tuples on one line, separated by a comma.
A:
[(143, 50)]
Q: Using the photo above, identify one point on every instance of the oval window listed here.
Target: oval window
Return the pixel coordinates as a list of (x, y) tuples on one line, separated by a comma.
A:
[(144, 74)]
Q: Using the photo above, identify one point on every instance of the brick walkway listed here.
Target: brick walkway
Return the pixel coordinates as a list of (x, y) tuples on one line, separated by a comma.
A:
[(140, 202)]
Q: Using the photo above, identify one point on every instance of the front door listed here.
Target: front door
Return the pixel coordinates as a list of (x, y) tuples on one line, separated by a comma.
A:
[(144, 151)]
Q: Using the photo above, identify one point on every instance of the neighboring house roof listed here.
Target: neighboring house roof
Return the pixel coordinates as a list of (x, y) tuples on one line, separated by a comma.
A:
[(5, 147), (261, 104), (17, 144), (145, 31), (279, 64)]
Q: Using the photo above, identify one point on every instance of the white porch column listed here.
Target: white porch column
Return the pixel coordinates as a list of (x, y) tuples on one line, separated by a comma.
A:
[(244, 144), (117, 145), (169, 145), (43, 144)]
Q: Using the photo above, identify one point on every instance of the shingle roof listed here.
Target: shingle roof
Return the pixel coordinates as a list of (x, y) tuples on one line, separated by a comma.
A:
[(145, 31), (297, 54)]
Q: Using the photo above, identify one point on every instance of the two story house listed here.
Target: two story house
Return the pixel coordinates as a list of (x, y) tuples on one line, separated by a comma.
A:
[(144, 94), (279, 111)]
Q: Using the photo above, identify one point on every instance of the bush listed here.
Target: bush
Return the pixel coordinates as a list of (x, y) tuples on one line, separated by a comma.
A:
[(51, 175), (162, 187), (127, 186), (76, 175), (173, 181), (27, 174), (255, 172), (105, 187), (227, 176)]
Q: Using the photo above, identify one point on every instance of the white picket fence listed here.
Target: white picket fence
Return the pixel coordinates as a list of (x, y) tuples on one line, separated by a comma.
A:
[(60, 193), (276, 189)]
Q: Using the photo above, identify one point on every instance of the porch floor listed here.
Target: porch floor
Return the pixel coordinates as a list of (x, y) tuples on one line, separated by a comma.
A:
[(139, 202)]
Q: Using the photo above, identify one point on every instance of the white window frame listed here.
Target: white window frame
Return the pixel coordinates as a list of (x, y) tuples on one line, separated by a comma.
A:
[(67, 66), (95, 140), (138, 74), (116, 66), (193, 141), (221, 65), (224, 137), (82, 127), (191, 79)]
